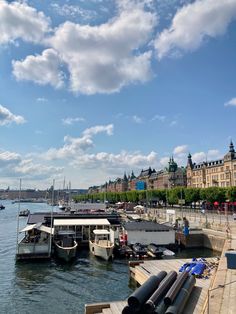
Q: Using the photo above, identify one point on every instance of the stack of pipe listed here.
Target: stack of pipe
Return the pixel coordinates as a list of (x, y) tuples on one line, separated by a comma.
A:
[(178, 305), (157, 296), (141, 295)]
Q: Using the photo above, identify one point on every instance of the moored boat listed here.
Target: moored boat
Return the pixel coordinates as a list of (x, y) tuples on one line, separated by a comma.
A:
[(139, 249), (166, 252), (101, 246), (154, 251), (24, 213), (65, 245)]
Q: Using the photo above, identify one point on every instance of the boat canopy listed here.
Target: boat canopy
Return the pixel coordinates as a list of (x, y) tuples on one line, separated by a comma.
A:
[(39, 227), (101, 231), (81, 222)]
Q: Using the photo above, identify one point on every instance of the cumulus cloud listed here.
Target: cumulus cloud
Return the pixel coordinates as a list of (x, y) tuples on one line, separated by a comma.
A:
[(159, 118), (19, 20), (70, 121), (99, 129), (211, 154), (77, 146), (7, 157), (137, 119), (104, 58), (122, 160), (6, 117), (41, 69), (181, 149), (193, 23), (28, 168), (231, 102)]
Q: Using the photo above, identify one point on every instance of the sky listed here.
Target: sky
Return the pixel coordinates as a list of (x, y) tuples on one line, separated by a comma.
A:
[(92, 89)]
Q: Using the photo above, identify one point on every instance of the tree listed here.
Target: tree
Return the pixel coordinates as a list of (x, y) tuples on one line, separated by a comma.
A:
[(192, 195)]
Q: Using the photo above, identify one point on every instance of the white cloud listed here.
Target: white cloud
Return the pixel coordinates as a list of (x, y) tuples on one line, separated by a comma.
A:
[(19, 20), (99, 129), (28, 168), (181, 149), (70, 121), (6, 117), (137, 119), (122, 160), (164, 161), (104, 58), (42, 99), (77, 146), (73, 11), (231, 102), (41, 69), (193, 23), (159, 118), (211, 154), (7, 157)]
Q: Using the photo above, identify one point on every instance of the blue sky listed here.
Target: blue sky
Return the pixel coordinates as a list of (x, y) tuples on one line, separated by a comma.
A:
[(91, 89)]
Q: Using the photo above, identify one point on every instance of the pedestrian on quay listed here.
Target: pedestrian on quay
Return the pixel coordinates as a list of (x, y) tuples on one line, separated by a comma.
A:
[(185, 226)]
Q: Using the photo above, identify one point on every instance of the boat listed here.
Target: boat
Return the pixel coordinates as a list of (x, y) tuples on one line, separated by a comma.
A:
[(154, 251), (139, 249), (102, 246), (2, 206), (24, 213), (61, 205), (166, 252), (65, 245)]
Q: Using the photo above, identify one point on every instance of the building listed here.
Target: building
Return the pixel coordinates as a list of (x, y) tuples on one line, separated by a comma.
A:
[(147, 232), (168, 178), (221, 172)]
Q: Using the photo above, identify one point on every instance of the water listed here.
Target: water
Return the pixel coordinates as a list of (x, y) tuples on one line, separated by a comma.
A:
[(49, 287)]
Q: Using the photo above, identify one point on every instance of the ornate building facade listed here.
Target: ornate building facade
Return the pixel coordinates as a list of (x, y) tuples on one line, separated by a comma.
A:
[(221, 172)]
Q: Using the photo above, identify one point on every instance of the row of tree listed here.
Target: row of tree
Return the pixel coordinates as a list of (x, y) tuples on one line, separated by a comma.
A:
[(171, 196)]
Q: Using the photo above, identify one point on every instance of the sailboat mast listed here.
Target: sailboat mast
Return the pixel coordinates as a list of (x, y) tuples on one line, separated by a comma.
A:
[(18, 214), (50, 243)]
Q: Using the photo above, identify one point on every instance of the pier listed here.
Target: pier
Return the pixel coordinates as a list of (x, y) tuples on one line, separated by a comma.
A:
[(216, 295)]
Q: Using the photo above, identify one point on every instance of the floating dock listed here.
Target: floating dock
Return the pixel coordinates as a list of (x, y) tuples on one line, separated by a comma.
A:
[(141, 271)]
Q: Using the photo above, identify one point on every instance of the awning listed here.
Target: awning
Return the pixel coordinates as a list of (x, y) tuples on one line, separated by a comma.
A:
[(28, 227), (46, 229), (101, 231), (39, 227), (81, 222)]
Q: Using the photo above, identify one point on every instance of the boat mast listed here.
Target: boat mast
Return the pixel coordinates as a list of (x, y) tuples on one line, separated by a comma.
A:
[(18, 213), (50, 243)]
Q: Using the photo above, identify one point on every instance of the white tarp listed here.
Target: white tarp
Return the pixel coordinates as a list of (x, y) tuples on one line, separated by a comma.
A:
[(101, 231), (81, 222)]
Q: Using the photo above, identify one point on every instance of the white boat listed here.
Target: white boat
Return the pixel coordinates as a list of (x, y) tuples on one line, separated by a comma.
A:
[(166, 252), (65, 245), (101, 246)]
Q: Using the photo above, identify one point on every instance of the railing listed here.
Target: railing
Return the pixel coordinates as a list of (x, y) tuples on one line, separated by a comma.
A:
[(216, 300)]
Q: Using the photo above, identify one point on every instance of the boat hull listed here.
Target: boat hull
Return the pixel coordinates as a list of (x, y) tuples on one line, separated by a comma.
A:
[(66, 253), (104, 252)]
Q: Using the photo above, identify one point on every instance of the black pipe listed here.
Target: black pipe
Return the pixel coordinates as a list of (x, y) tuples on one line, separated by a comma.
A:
[(141, 295), (181, 299), (127, 310), (172, 293), (149, 306), (161, 308)]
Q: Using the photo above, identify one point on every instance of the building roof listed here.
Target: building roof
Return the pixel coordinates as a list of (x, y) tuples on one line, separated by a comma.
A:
[(81, 222), (145, 226)]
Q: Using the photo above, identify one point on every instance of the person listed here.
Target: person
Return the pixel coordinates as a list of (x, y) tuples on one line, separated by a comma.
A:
[(186, 226)]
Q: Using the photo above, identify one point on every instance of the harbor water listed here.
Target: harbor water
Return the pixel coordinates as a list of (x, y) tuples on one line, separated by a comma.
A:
[(50, 287)]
